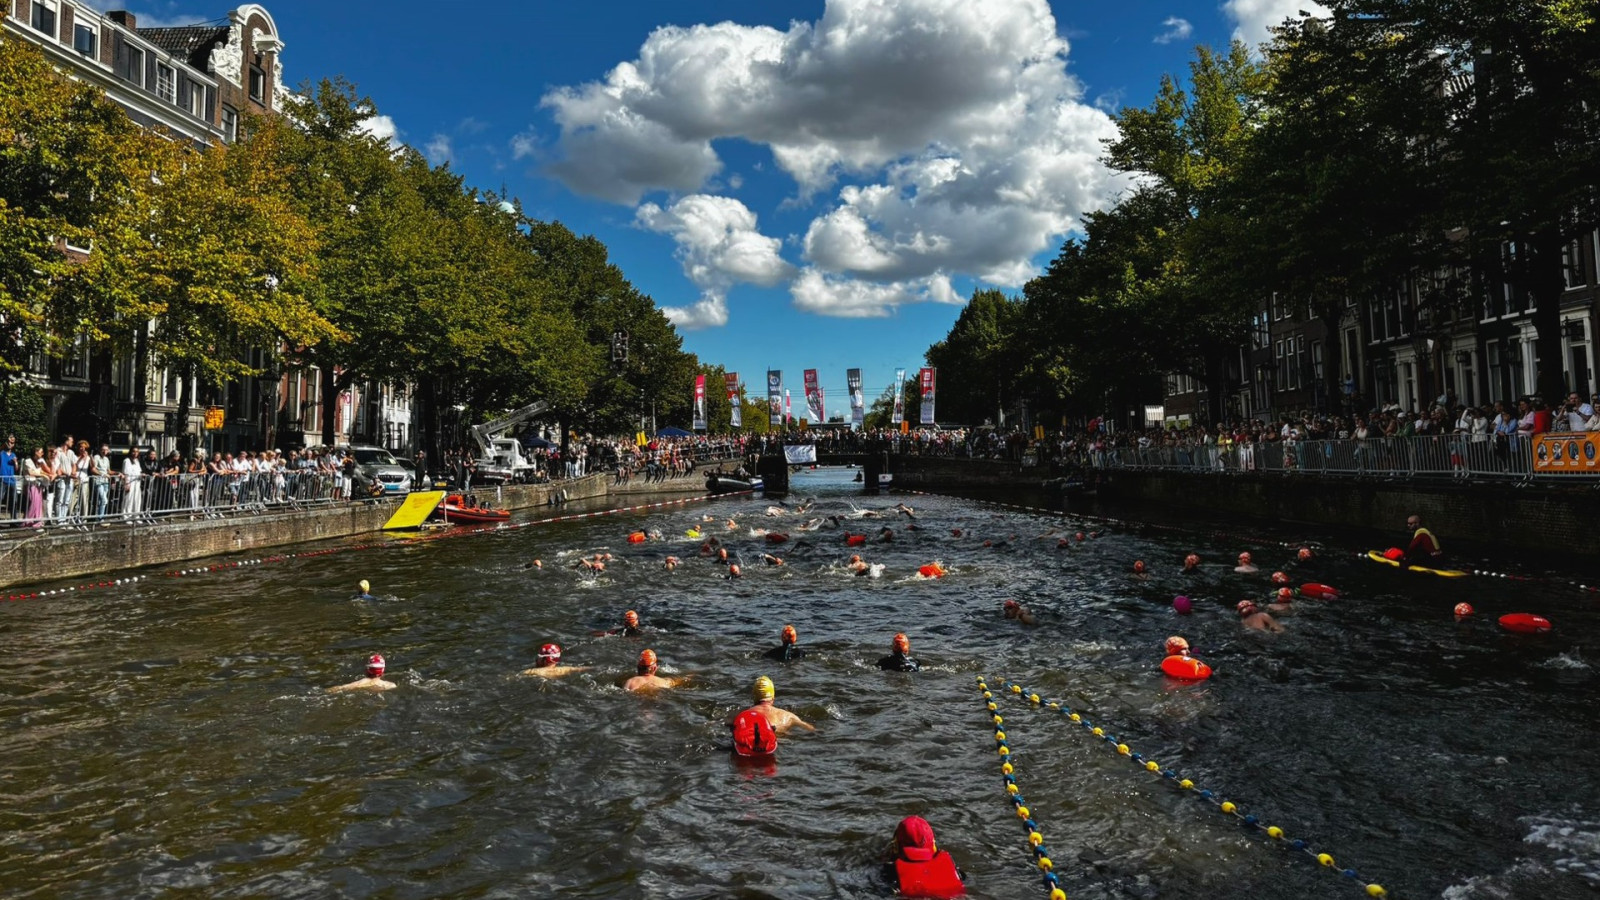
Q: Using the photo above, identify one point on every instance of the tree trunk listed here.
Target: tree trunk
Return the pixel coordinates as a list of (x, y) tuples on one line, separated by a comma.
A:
[(180, 425), (1545, 286), (330, 404)]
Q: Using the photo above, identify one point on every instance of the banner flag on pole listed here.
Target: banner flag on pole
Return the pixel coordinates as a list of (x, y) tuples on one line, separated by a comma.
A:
[(858, 409), (735, 409), (814, 397), (927, 378), (899, 416), (699, 403), (788, 406), (774, 397)]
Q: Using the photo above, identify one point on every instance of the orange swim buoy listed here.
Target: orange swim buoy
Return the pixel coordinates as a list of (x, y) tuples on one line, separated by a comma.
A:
[(1185, 668), (1525, 623), (636, 537), (1319, 591), (854, 540), (776, 537), (931, 570)]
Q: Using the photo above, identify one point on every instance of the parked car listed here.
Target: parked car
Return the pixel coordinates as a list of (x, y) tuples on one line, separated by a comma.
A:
[(378, 467)]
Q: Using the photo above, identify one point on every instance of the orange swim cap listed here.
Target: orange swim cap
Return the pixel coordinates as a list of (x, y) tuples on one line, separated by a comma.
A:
[(1176, 646), (902, 643), (647, 662), (631, 618), (790, 636)]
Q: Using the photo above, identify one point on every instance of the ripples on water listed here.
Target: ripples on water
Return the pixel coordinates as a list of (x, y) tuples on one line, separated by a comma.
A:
[(172, 738)]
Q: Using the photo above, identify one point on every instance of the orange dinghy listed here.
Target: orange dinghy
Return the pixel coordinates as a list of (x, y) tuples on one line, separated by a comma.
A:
[(1185, 668), (456, 510), (1525, 623)]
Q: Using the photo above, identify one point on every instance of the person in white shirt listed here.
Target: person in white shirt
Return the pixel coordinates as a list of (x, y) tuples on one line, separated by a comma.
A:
[(100, 480), (1578, 413), (133, 496), (65, 465)]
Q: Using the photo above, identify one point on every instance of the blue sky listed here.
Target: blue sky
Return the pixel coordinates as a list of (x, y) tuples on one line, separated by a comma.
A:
[(801, 184)]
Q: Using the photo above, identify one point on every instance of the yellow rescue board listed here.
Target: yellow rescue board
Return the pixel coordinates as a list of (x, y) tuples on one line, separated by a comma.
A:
[(416, 507), (1375, 556)]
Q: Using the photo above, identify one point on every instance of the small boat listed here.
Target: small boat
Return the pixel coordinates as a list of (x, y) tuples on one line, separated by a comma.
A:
[(722, 483), (1377, 557), (456, 509)]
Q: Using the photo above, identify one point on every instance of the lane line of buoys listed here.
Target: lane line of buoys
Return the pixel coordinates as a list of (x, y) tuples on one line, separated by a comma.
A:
[(1226, 807), (1036, 845), (1316, 545), (352, 548)]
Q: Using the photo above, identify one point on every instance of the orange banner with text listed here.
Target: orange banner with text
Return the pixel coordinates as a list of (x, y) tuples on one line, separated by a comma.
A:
[(1574, 453)]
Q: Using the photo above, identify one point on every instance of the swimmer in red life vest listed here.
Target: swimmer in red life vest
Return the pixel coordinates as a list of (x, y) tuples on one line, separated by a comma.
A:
[(373, 682), (921, 869), (1250, 616), (762, 693), (550, 664), (899, 658), (1424, 546), (790, 649)]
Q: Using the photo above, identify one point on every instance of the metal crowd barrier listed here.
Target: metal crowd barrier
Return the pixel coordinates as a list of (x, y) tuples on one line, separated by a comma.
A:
[(1475, 457), (94, 502)]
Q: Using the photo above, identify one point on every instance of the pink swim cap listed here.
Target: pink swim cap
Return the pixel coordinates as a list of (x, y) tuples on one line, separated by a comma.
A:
[(1182, 605)]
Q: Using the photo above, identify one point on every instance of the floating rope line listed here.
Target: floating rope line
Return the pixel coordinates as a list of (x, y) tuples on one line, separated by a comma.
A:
[(1316, 545), (1226, 807), (351, 548), (1041, 853)]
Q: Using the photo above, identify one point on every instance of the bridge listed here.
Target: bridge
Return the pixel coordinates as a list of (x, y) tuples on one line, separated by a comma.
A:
[(774, 468)]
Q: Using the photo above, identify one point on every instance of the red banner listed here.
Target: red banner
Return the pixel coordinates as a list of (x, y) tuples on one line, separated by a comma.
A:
[(699, 403), (814, 397), (926, 377)]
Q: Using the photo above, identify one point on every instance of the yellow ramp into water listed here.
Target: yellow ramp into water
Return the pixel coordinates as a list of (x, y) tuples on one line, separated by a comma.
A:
[(417, 507)]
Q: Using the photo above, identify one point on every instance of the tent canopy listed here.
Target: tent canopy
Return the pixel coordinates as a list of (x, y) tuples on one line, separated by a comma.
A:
[(670, 431)]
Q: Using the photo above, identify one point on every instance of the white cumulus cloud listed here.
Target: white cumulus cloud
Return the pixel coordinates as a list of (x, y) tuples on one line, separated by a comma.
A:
[(1253, 18), (438, 150), (383, 128), (964, 146), (1176, 30), (719, 246)]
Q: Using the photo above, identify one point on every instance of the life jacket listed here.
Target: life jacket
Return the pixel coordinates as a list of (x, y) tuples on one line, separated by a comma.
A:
[(753, 735), (935, 878), (1430, 547)]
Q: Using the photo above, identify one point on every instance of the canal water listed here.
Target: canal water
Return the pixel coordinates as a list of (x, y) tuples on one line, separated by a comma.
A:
[(173, 738)]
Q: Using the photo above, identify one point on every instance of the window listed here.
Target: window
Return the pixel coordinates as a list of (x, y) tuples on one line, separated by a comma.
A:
[(130, 64), (1283, 365), (166, 83), (197, 100), (1572, 274), (230, 123), (44, 17), (85, 40), (258, 84)]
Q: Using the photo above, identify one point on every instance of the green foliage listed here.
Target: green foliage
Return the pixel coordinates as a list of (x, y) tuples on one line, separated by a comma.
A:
[(22, 414), (976, 361)]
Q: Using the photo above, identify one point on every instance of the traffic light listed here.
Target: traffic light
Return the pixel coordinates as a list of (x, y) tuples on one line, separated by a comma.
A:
[(619, 346)]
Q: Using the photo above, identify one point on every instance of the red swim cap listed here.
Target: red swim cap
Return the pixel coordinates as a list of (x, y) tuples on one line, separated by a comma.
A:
[(1138, 566), (1280, 578), (1246, 607), (1191, 560), (1244, 557), (1463, 610), (914, 837), (375, 666), (1081, 537), (1010, 604), (1304, 554), (551, 652), (631, 618), (790, 636), (647, 662), (1285, 594), (902, 643)]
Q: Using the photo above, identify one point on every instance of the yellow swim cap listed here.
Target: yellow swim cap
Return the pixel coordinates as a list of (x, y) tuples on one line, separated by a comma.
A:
[(763, 689), (365, 587)]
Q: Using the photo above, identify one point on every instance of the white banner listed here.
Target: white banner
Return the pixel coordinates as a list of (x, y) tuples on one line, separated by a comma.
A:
[(795, 454)]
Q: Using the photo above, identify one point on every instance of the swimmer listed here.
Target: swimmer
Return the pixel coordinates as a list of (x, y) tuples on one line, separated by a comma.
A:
[(1080, 537), (955, 532), (771, 560), (722, 555), (886, 535), (902, 508), (899, 658), (1245, 566), (630, 626), (1251, 617), (1464, 611), (921, 869), (1191, 563), (1280, 602), (1279, 579), (549, 665), (536, 564), (670, 563), (790, 649), (366, 591), (857, 566), (734, 571), (647, 679), (731, 525), (763, 693), (1139, 570), (1304, 555), (1014, 610), (374, 680)]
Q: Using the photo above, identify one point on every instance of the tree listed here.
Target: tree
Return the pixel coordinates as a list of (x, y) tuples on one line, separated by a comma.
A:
[(976, 363)]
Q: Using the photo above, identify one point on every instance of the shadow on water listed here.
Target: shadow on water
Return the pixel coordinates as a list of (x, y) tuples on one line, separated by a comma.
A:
[(172, 738)]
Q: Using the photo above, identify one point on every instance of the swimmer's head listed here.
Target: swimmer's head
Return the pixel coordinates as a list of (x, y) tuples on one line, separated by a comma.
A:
[(722, 553), (1304, 554), (366, 586), (734, 571), (1280, 578), (1191, 561), (1247, 607), (1244, 558), (1081, 537), (671, 562), (1177, 646), (549, 654), (1463, 610), (538, 564), (630, 619), (790, 636), (762, 690), (902, 644), (1181, 605), (1138, 567), (375, 666), (1285, 594), (648, 662), (855, 558)]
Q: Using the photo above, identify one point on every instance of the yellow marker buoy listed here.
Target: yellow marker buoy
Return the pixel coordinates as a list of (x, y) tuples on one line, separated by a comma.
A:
[(1011, 789), (992, 707), (1186, 784), (997, 719), (1099, 732), (1022, 812), (1033, 698), (1054, 705), (1229, 807), (1153, 766), (1035, 838), (999, 735), (1123, 749), (1275, 832), (1058, 894), (1006, 768), (1005, 751), (987, 695), (1325, 859), (1376, 890), (1016, 689), (1075, 717), (1045, 864)]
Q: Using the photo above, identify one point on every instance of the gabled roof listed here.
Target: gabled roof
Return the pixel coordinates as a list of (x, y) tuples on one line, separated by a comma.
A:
[(190, 43)]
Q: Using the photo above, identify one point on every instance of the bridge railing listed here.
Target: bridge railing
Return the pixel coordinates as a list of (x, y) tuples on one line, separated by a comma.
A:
[(1432, 457)]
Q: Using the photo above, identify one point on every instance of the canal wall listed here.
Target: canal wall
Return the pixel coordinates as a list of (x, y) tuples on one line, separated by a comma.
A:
[(1544, 521), (51, 555)]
